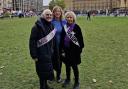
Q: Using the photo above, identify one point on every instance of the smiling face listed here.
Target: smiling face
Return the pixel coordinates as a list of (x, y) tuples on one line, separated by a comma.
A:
[(47, 15), (70, 18), (57, 12)]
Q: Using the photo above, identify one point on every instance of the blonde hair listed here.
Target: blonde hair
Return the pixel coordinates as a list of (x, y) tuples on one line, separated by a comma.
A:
[(71, 13), (54, 10)]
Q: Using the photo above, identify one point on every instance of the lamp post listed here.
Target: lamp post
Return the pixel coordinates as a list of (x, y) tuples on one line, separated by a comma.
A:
[(125, 7)]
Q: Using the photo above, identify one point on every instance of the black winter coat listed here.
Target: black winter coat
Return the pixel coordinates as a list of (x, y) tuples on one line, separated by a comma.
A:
[(44, 53), (73, 52)]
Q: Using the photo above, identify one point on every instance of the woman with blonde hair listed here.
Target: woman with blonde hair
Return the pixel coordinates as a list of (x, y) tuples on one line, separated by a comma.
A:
[(72, 46), (58, 23)]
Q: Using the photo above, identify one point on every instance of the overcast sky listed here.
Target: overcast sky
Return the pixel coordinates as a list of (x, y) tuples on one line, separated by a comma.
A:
[(46, 2)]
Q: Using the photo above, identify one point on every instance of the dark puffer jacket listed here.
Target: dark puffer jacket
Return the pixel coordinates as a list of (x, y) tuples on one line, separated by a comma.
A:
[(44, 53)]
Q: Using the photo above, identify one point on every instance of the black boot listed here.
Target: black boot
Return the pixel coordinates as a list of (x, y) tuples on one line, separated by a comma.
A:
[(42, 84), (76, 85), (66, 83), (58, 78), (58, 75), (48, 87)]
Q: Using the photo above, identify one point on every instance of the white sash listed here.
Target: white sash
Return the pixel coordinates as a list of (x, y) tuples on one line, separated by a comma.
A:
[(46, 39), (71, 35)]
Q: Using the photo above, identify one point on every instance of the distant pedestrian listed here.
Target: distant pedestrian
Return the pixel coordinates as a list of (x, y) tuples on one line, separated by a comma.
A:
[(88, 15)]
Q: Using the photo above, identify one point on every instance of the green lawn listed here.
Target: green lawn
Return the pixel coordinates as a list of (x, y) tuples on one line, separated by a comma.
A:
[(104, 58)]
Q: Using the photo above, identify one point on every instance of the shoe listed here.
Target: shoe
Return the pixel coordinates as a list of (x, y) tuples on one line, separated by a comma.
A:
[(50, 81), (59, 80), (66, 83), (47, 87), (76, 86)]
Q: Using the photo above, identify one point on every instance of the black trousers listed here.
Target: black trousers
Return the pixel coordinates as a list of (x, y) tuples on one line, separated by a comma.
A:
[(42, 79), (75, 71), (57, 65), (43, 84), (58, 71)]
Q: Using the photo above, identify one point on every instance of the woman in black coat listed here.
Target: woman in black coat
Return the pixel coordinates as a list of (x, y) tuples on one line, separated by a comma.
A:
[(73, 45), (41, 46)]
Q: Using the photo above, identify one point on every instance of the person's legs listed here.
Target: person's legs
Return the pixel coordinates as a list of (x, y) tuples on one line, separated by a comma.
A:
[(87, 17), (41, 80), (68, 72), (42, 84), (76, 75), (58, 72), (67, 80), (47, 86)]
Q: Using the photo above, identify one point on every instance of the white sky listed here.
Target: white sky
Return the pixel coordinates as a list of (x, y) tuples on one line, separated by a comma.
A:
[(46, 2)]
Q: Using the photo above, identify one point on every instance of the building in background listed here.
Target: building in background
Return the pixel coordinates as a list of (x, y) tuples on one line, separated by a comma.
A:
[(80, 5), (95, 4), (26, 5), (124, 4), (5, 4), (76, 5), (23, 5), (68, 4), (1, 5)]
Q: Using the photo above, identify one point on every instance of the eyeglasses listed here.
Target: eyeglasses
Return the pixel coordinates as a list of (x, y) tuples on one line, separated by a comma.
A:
[(48, 14)]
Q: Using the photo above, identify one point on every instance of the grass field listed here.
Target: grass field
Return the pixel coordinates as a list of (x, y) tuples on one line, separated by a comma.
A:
[(104, 58)]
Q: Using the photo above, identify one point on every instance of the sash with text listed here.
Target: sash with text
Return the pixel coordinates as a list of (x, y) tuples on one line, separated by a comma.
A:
[(46, 39), (71, 36)]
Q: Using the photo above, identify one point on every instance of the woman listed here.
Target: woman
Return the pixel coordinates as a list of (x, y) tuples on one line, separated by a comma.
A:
[(58, 24), (41, 45), (73, 45)]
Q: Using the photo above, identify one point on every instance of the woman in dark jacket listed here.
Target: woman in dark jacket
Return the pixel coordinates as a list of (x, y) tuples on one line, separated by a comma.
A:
[(41, 46), (73, 44)]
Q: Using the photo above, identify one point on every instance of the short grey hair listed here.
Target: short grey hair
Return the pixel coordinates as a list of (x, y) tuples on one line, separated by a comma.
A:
[(45, 11), (71, 13)]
